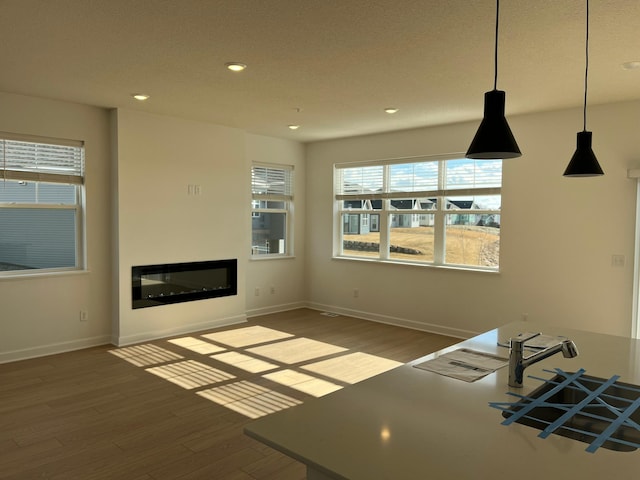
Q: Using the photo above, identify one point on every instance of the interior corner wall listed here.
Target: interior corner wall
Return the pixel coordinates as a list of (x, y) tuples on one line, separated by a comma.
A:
[(277, 284), (41, 313), (160, 220), (558, 234)]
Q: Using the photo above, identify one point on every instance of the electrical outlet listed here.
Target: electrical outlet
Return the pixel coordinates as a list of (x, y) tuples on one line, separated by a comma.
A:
[(256, 292), (525, 317), (356, 293), (84, 316), (273, 290)]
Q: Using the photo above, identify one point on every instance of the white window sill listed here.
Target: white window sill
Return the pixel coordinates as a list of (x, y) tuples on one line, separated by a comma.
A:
[(463, 268), (261, 258), (41, 274)]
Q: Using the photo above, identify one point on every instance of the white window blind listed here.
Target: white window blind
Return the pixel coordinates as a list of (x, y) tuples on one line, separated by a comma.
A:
[(419, 179), (359, 181), (33, 161), (463, 174), (413, 177), (271, 183)]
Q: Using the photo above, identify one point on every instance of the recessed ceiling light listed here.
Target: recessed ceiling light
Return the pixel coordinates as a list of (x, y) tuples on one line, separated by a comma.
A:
[(631, 65), (391, 110), (235, 66), (140, 96), (294, 127)]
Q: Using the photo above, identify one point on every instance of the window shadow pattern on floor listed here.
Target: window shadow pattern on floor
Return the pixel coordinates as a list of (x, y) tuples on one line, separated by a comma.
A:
[(255, 370)]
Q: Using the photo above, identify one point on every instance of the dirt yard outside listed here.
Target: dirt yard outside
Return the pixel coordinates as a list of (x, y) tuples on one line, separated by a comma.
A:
[(465, 244)]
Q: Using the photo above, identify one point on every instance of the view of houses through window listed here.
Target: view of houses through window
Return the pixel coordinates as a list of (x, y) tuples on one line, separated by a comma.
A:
[(40, 205), (439, 211), (271, 205)]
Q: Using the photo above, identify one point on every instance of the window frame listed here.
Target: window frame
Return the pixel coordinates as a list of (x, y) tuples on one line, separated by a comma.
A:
[(385, 194), (71, 171), (284, 194)]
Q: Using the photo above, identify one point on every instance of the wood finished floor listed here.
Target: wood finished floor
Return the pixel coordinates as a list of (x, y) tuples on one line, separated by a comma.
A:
[(92, 415)]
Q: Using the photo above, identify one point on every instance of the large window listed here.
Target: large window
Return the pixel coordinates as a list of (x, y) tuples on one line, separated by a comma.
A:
[(40, 204), (437, 211), (271, 207)]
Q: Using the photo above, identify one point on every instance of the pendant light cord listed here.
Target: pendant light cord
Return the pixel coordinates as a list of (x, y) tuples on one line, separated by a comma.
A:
[(495, 53), (586, 71)]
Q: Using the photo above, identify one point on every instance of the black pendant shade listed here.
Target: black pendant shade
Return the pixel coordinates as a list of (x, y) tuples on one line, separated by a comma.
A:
[(494, 139), (584, 162)]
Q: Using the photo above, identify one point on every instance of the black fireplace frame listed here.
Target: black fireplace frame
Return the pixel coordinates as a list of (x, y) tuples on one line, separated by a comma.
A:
[(141, 299)]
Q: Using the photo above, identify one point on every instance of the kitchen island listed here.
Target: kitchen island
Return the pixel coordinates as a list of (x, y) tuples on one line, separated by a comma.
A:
[(409, 423)]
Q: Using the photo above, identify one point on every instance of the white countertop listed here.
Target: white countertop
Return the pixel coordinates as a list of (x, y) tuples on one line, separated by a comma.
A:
[(410, 423)]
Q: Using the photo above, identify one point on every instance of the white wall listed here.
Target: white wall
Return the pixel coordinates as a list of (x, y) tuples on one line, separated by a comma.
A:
[(285, 275), (157, 158), (557, 235), (41, 314)]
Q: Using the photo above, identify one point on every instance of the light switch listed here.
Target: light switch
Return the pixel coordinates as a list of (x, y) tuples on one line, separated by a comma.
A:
[(617, 260)]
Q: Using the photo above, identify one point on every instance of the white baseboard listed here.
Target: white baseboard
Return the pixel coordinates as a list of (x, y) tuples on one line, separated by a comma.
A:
[(398, 322), (275, 309), (182, 329), (62, 347), (53, 348)]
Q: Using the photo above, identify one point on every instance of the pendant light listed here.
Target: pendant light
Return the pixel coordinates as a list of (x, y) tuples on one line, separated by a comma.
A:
[(494, 139), (584, 162)]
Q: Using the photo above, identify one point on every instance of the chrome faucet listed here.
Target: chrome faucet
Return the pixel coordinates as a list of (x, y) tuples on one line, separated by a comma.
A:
[(518, 362)]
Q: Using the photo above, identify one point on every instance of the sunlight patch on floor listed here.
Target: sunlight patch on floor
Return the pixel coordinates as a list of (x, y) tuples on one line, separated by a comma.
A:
[(279, 357), (243, 337), (352, 368), (196, 345), (245, 362), (144, 355), (190, 374), (303, 382), (297, 350), (249, 399)]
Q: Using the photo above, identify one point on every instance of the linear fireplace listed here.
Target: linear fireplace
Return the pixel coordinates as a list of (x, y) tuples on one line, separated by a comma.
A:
[(153, 285)]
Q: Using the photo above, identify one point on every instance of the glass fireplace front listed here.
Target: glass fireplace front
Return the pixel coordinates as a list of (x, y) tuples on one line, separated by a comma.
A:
[(153, 285)]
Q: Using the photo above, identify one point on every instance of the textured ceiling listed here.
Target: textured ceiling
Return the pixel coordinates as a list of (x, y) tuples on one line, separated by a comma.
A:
[(341, 62)]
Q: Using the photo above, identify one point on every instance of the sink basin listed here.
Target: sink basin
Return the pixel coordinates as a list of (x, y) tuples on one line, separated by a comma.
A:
[(562, 407)]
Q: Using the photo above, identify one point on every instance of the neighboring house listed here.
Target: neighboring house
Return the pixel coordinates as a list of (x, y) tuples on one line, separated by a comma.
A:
[(267, 232), (359, 223), (402, 219), (363, 223), (481, 220), (427, 219), (462, 218)]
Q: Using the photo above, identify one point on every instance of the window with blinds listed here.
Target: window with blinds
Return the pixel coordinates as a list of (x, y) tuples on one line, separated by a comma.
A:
[(272, 182), (426, 178), (439, 211), (40, 204), (271, 207)]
